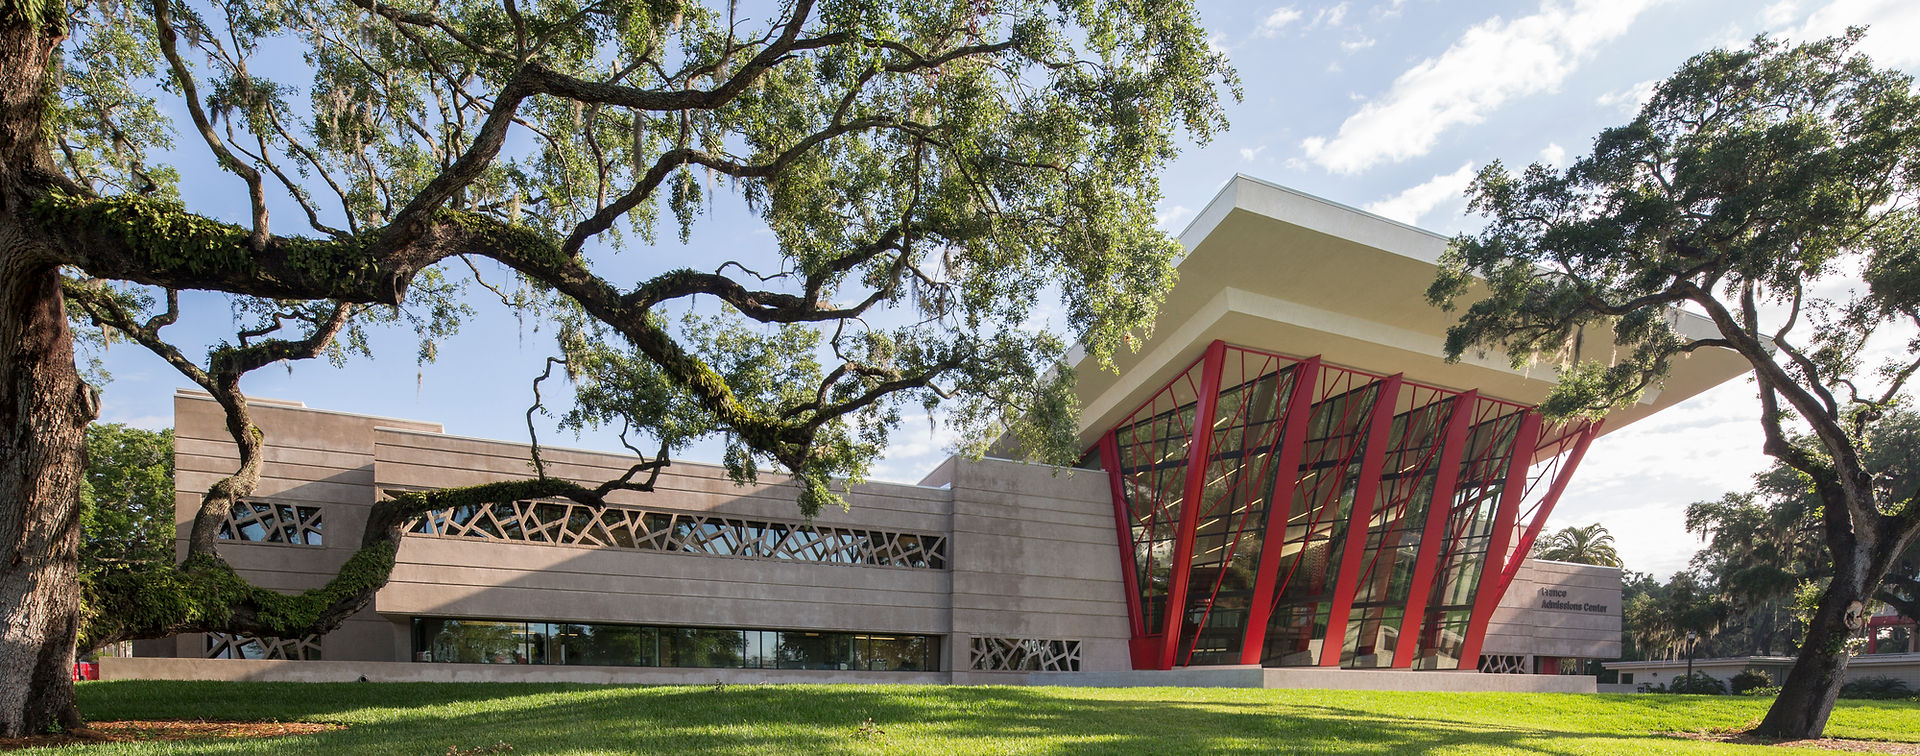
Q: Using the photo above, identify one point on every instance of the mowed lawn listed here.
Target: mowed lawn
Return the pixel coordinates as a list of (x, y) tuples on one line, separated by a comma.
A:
[(430, 719)]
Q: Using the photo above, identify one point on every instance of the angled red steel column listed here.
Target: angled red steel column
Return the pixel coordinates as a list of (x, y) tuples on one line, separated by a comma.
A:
[(1366, 489), (1491, 565), (1123, 522), (1199, 450), (1306, 381), (1525, 546), (1452, 446)]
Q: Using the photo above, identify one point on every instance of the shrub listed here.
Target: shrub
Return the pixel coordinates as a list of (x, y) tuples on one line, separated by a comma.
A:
[(1700, 683), (1750, 679), (1769, 691), (1876, 688)]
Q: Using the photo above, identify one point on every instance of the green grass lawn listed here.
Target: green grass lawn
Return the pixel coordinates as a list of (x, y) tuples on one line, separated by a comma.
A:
[(581, 719)]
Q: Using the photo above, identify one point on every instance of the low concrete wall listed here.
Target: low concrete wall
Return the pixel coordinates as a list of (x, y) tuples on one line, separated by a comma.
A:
[(257, 670), (1190, 677), (1380, 679), (1320, 679)]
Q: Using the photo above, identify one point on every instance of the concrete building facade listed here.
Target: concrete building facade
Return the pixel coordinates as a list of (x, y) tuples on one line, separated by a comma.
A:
[(1296, 363)]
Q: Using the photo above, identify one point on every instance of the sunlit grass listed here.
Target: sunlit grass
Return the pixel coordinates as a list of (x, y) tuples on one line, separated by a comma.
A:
[(583, 719)]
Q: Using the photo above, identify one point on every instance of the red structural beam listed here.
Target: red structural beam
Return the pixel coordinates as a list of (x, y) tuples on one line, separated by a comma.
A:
[(1198, 452), (1561, 476), (1453, 444), (1123, 520), (1492, 562), (1366, 489), (1306, 380)]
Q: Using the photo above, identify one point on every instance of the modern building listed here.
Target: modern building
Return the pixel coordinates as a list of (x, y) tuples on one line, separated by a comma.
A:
[(1286, 474), (1889, 649)]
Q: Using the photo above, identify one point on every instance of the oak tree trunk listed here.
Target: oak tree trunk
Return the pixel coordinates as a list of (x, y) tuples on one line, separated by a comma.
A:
[(44, 411), (1812, 685)]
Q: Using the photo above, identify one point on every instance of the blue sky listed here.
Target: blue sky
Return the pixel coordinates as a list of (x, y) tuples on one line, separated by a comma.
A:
[(1385, 105)]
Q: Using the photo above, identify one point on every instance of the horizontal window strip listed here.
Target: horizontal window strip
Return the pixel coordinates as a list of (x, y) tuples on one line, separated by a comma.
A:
[(470, 641), (570, 523)]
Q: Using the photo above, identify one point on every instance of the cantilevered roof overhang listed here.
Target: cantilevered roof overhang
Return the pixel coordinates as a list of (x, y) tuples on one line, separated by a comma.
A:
[(1275, 269)]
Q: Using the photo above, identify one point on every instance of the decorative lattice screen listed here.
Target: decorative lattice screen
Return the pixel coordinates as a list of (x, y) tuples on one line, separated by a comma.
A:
[(1504, 664), (224, 646), (263, 522), (622, 528), (1025, 654)]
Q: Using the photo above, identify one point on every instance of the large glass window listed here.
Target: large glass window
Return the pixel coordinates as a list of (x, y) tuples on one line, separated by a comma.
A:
[(1317, 519), (1469, 530), (1399, 513), (469, 641), (700, 647), (816, 651)]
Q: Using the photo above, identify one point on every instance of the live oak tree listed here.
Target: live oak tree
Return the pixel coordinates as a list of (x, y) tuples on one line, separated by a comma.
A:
[(1765, 546), (929, 170), (1772, 189)]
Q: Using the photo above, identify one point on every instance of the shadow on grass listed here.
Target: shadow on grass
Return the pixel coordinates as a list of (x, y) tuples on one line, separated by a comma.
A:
[(403, 718)]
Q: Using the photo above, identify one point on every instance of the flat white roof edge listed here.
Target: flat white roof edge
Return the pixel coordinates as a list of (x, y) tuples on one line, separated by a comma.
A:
[(1342, 206), (672, 462), (199, 395)]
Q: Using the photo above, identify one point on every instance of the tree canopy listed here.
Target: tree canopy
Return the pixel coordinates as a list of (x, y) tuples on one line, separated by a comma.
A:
[(1774, 189), (930, 173), (126, 500), (1590, 544)]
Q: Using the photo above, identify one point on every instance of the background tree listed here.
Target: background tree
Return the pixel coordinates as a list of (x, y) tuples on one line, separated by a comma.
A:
[(1591, 544), (929, 170), (1655, 616), (1749, 179), (126, 499), (1756, 556)]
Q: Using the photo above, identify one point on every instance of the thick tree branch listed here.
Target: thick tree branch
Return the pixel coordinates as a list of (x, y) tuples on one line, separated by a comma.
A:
[(183, 77)]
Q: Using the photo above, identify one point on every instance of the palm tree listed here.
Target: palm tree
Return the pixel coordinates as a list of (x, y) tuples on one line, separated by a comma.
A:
[(1589, 545)]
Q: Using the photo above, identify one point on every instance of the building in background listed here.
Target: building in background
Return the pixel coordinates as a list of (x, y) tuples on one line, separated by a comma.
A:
[(1287, 473)]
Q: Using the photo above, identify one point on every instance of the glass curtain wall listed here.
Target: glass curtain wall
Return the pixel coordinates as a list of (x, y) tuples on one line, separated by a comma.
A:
[(1241, 492), (1240, 476), (1393, 533), (1153, 467), (1469, 530)]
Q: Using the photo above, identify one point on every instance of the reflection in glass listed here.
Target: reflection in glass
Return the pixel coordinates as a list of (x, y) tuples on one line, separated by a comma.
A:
[(572, 643)]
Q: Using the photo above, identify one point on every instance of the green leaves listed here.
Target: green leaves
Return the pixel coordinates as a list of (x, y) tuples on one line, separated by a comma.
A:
[(933, 174), (1750, 176), (126, 498)]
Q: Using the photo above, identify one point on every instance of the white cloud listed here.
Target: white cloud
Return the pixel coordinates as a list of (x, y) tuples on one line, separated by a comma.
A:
[(1553, 154), (1778, 15), (1173, 215), (1249, 153), (1491, 63), (1895, 24), (1331, 16), (1356, 45), (918, 446), (1639, 480), (1417, 201), (1278, 20), (1629, 99)]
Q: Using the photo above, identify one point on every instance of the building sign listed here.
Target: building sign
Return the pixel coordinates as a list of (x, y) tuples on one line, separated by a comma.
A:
[(1555, 599)]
